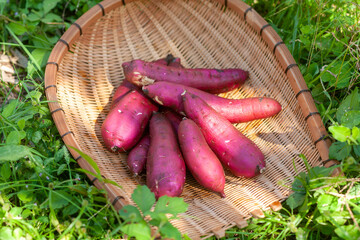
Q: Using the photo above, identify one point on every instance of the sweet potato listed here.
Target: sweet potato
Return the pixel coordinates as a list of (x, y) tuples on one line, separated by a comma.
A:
[(136, 160), (174, 118), (199, 158), (235, 110), (126, 121), (242, 156), (165, 166), (143, 73), (125, 87), (169, 60)]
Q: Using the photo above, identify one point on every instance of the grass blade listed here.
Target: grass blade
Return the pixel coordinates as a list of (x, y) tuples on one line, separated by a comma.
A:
[(25, 50)]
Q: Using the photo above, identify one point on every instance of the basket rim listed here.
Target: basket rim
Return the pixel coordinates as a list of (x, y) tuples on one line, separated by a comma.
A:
[(251, 17)]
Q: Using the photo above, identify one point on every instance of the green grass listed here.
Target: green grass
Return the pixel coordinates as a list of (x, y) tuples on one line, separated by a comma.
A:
[(44, 194)]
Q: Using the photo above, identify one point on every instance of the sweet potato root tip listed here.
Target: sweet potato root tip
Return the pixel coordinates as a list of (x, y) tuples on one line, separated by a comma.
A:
[(156, 99), (114, 148), (146, 91)]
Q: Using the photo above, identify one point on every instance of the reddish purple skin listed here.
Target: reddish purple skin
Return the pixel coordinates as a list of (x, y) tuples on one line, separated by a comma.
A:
[(174, 118), (136, 160), (235, 110), (126, 121), (126, 86), (165, 166), (209, 80), (169, 60), (235, 151), (199, 158)]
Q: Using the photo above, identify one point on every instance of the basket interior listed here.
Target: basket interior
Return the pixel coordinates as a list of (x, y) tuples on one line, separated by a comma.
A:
[(203, 35)]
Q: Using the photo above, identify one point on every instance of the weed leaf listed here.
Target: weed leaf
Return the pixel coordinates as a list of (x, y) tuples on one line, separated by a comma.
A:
[(48, 5), (351, 119), (158, 219), (51, 17), (130, 214), (295, 200), (340, 133), (172, 205), (338, 74), (58, 199), (32, 17), (26, 213), (70, 210), (339, 150), (15, 211), (36, 137), (13, 138), (5, 171), (21, 123), (59, 155), (40, 56), (53, 219), (17, 28), (143, 198), (24, 48), (13, 152), (355, 132), (6, 233), (169, 231), (328, 203), (351, 102), (318, 172), (9, 108), (88, 172), (110, 182), (25, 196), (348, 232), (46, 123), (356, 149), (61, 169), (339, 218), (301, 234), (87, 158), (141, 231), (43, 219)]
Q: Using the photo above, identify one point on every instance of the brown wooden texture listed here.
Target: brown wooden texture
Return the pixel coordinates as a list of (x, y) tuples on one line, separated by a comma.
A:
[(79, 85)]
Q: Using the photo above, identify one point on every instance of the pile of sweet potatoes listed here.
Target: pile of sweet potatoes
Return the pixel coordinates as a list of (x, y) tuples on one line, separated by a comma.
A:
[(169, 119)]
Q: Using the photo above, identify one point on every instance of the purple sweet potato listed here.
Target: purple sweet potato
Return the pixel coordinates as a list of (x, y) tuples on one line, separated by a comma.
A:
[(126, 121), (169, 60), (174, 118), (199, 158), (235, 110), (165, 166), (125, 87), (241, 155), (143, 73), (136, 160)]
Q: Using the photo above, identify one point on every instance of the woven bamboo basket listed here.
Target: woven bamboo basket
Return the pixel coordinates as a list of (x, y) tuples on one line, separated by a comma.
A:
[(84, 69)]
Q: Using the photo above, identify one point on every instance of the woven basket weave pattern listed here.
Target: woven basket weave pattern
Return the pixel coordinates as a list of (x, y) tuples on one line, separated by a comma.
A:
[(203, 35)]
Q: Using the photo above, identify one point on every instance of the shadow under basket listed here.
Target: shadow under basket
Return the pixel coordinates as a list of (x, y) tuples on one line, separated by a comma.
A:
[(84, 69)]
